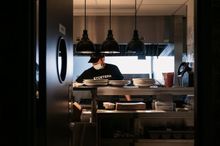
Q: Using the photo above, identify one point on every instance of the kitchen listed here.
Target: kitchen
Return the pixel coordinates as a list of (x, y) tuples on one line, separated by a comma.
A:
[(160, 26), (155, 29), (203, 117)]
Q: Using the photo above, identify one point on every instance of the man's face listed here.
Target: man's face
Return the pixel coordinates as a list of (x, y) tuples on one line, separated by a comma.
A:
[(99, 64), (100, 61)]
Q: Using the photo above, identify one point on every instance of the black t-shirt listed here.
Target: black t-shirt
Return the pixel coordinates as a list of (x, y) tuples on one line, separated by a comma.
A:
[(109, 71)]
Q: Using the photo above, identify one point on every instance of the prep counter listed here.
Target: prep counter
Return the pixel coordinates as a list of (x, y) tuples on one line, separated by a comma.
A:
[(136, 119), (130, 90)]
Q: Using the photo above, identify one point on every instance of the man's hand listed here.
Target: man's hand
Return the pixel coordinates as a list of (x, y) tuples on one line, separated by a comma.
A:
[(76, 84), (128, 97)]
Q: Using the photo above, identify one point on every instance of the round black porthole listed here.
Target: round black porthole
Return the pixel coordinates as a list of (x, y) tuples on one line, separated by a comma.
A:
[(61, 59)]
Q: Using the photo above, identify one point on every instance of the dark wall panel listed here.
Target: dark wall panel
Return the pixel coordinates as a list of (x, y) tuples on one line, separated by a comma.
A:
[(208, 72)]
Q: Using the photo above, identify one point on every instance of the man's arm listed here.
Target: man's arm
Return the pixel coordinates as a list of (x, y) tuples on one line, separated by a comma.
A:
[(128, 97)]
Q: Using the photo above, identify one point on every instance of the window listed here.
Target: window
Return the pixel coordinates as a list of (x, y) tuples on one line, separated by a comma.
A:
[(154, 66)]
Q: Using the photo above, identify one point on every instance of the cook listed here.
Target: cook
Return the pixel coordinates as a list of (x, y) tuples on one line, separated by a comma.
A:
[(101, 70)]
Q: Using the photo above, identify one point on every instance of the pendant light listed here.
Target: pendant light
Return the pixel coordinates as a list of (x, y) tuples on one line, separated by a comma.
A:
[(85, 45), (135, 45), (110, 45)]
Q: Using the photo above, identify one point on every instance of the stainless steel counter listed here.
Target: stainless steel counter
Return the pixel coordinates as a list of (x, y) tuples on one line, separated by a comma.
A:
[(133, 90), (159, 114), (140, 118)]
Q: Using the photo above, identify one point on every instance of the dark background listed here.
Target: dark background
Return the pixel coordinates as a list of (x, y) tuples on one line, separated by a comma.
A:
[(208, 72), (17, 80)]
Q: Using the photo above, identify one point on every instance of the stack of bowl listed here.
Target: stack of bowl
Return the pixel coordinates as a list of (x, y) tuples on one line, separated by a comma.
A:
[(119, 82), (91, 82), (143, 82)]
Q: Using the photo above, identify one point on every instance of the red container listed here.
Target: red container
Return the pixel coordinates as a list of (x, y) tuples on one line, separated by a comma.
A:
[(168, 79)]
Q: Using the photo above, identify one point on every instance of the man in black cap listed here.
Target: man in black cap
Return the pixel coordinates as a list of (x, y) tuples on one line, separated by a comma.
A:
[(101, 70)]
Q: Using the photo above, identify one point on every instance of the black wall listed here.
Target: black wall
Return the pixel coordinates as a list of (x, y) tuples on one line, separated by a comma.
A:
[(17, 60), (208, 72)]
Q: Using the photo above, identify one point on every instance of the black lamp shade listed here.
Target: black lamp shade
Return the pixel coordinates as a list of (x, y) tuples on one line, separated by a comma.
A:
[(110, 45), (85, 45), (136, 45)]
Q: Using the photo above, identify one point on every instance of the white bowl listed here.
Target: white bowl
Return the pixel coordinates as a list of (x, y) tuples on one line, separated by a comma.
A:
[(95, 81), (143, 82), (119, 82), (91, 82)]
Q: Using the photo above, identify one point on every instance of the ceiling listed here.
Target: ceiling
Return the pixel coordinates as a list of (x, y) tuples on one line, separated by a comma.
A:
[(127, 7)]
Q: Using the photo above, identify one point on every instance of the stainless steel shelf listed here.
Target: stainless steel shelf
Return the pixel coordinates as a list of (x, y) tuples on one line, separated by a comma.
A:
[(165, 142), (150, 113), (140, 116), (133, 90)]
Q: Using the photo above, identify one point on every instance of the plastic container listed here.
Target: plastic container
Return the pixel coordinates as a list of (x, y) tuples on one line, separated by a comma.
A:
[(168, 79)]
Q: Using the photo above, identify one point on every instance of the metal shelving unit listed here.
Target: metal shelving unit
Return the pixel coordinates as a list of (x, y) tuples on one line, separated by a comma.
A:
[(133, 122)]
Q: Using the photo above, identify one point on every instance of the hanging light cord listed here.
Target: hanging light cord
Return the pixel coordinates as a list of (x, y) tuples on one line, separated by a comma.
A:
[(85, 14), (135, 15), (110, 15)]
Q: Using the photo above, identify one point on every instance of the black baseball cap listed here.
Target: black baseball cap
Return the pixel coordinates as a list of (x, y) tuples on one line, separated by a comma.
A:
[(95, 57)]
